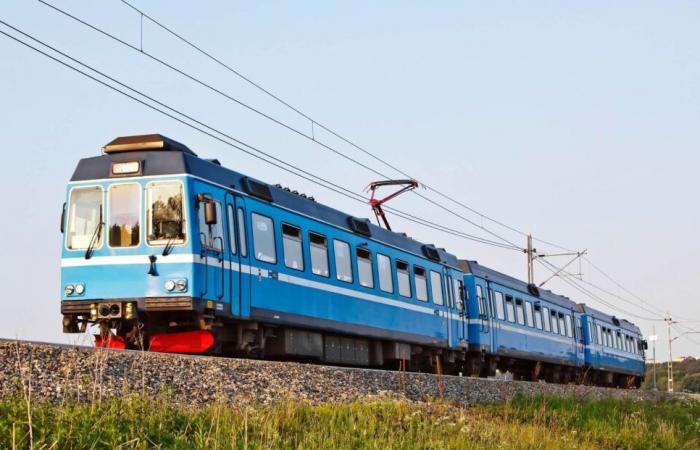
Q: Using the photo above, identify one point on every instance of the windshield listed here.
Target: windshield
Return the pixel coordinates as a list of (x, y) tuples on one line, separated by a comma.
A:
[(124, 207), (165, 218), (84, 213)]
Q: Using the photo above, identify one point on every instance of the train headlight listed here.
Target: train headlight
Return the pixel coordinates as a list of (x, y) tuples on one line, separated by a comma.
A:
[(181, 285), (129, 311), (169, 285), (69, 289), (93, 311), (80, 288)]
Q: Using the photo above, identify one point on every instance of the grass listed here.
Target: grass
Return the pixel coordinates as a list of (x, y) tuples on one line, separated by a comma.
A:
[(141, 423)]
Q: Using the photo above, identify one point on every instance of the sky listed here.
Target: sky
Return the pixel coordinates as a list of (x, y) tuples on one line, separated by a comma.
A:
[(574, 121)]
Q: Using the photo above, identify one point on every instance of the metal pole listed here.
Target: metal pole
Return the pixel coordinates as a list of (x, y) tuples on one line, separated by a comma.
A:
[(670, 357), (654, 351), (530, 268)]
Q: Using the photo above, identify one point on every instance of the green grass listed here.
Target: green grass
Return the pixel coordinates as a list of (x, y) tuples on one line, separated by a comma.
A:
[(140, 423)]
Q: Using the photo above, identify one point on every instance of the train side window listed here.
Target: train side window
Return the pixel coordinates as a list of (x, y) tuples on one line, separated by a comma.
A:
[(611, 341), (480, 301), (619, 341), (538, 317), (318, 249), (555, 323), (500, 313), (124, 213), (529, 314), (343, 266), (386, 282), (545, 318), (292, 248), (519, 312), (165, 220), (231, 229), (241, 232), (458, 286), (436, 287), (510, 311), (264, 238), (562, 325), (633, 342), (599, 330), (211, 236), (403, 278), (569, 326), (364, 267), (421, 283)]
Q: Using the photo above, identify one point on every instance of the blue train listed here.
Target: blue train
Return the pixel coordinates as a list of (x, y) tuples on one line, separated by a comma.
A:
[(170, 252)]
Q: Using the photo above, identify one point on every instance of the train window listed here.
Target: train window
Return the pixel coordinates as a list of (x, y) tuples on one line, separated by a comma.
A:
[(611, 341), (386, 282), (343, 267), (519, 312), (165, 221), (599, 330), (264, 238), (500, 313), (458, 288), (421, 283), (402, 278), (619, 341), (211, 236), (85, 218), (291, 245), (510, 311), (562, 325), (241, 232), (364, 267), (124, 212), (231, 230), (538, 317), (480, 300), (569, 326), (545, 319), (492, 307), (318, 248), (436, 287), (529, 315), (555, 323)]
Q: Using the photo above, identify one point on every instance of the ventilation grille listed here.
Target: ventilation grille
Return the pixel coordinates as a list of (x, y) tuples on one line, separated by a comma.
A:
[(431, 252), (360, 226), (257, 189)]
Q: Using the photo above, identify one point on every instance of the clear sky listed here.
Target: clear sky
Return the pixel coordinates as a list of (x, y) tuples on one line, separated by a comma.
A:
[(576, 121)]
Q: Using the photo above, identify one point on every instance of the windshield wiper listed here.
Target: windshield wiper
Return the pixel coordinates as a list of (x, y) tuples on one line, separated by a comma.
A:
[(169, 246), (95, 237)]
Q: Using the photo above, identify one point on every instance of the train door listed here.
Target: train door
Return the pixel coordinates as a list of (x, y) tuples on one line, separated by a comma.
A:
[(211, 240), (456, 311), (238, 279)]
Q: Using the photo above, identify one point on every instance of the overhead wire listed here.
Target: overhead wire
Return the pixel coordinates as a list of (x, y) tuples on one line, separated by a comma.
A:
[(267, 116), (237, 144)]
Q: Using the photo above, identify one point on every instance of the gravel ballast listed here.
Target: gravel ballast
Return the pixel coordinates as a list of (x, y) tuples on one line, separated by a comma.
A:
[(60, 373)]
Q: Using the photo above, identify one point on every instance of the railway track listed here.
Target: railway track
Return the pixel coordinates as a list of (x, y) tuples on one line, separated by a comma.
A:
[(60, 372)]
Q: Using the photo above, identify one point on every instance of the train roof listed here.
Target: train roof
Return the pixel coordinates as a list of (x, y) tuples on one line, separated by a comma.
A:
[(486, 273), (169, 157), (622, 323)]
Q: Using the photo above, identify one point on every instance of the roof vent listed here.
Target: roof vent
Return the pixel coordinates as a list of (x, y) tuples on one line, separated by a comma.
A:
[(615, 321), (257, 189), (360, 226), (431, 252), (145, 142), (533, 290)]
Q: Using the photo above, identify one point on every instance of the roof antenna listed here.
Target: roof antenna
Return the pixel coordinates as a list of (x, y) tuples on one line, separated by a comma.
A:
[(376, 203)]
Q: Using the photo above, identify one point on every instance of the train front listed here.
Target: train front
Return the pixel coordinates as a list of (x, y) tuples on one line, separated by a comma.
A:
[(127, 259)]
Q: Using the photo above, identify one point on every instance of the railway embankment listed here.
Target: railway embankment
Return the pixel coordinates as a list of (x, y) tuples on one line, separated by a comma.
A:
[(60, 373)]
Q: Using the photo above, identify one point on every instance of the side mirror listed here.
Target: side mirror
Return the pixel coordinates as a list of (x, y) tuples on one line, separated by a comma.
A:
[(210, 213), (63, 219)]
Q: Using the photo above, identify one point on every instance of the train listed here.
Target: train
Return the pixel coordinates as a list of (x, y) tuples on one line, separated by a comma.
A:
[(166, 251)]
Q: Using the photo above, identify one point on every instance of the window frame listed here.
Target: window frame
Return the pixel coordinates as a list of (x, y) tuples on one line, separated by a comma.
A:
[(273, 233), (68, 222), (389, 272), (108, 209), (408, 278), (529, 314), (555, 323), (439, 288), (415, 282), (537, 313), (510, 308), (546, 319), (311, 254), (298, 239), (185, 214), (520, 318), (371, 266), (349, 260), (569, 325), (498, 299)]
